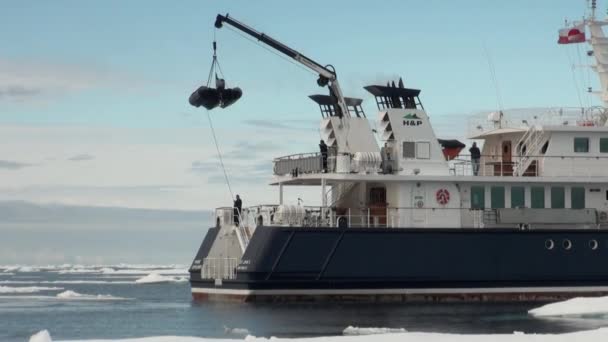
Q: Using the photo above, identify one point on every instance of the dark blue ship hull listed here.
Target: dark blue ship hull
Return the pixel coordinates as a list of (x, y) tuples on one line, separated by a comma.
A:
[(402, 264)]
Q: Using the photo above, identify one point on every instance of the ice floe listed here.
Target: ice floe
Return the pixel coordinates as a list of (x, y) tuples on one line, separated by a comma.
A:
[(156, 278), (41, 336), (24, 282), (72, 295), (352, 331), (587, 336), (27, 289), (236, 331), (573, 307)]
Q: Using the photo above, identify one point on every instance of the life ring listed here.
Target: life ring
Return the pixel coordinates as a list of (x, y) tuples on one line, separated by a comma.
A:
[(442, 196)]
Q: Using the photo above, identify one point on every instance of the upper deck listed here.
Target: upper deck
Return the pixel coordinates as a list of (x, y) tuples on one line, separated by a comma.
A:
[(521, 119)]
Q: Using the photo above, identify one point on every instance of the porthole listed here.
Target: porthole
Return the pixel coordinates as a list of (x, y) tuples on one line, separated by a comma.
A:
[(567, 244), (549, 244), (593, 244)]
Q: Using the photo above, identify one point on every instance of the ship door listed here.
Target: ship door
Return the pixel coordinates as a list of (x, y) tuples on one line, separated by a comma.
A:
[(506, 167), (377, 206), (418, 205)]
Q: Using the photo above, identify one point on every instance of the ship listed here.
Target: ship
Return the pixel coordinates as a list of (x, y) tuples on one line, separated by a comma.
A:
[(405, 216)]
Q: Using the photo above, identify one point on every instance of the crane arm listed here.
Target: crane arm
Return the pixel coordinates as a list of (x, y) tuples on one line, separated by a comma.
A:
[(326, 75)]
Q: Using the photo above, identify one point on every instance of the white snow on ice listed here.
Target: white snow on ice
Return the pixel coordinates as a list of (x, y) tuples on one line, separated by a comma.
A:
[(27, 289), (236, 331), (573, 307), (352, 331), (41, 336), (156, 278), (24, 282), (72, 295), (587, 336)]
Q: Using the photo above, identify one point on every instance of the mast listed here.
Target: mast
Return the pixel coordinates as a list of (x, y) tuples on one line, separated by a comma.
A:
[(599, 50)]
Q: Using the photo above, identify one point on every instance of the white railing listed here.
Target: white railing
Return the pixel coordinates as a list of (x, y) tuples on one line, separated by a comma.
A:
[(548, 166), (219, 268), (523, 118), (398, 217)]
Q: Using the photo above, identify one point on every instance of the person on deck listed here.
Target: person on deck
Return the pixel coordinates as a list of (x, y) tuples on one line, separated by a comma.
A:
[(475, 156), (323, 149), (238, 204)]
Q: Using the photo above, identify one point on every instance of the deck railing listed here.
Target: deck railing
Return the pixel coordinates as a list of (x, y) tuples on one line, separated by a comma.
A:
[(394, 217), (219, 268), (523, 118), (541, 165)]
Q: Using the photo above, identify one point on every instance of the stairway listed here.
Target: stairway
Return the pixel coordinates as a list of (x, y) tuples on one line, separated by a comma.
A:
[(528, 148), (243, 236), (340, 190)]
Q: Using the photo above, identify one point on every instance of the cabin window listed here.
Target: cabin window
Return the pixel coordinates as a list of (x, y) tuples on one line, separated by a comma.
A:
[(478, 197), (497, 197), (518, 197), (581, 145), (409, 149), (577, 197), (558, 195), (604, 145), (537, 196), (423, 150)]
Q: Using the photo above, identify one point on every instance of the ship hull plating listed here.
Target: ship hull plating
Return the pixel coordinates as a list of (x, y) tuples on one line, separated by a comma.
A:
[(412, 264)]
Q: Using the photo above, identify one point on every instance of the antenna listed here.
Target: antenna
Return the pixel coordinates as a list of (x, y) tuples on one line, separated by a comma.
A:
[(494, 79)]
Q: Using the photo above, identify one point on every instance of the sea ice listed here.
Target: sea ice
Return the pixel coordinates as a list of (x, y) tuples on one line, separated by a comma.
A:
[(350, 330), (236, 331), (41, 336), (27, 289), (587, 336), (72, 295), (573, 307), (156, 278)]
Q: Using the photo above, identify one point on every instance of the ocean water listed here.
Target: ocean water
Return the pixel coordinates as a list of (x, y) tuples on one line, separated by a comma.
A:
[(105, 302)]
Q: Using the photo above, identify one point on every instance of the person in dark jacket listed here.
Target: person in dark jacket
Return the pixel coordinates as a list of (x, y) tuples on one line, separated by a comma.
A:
[(475, 157), (238, 204), (323, 149)]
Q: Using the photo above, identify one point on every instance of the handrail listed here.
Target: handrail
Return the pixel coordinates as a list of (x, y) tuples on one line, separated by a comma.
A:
[(298, 156)]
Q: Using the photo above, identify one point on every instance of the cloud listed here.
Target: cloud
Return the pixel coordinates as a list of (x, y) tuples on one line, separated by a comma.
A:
[(81, 157), (28, 80), (12, 165), (17, 91)]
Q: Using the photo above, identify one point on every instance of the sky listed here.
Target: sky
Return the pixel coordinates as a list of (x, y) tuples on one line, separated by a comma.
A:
[(93, 95)]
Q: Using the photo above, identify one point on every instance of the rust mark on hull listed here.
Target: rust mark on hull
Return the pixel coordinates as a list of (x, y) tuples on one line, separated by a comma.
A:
[(395, 298)]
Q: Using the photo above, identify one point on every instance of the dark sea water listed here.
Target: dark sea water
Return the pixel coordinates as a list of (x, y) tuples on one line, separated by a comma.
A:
[(167, 309)]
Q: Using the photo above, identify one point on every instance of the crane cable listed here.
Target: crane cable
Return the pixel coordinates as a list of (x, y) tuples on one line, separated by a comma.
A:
[(215, 64)]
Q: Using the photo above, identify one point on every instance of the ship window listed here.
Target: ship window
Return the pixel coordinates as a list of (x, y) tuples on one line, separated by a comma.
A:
[(478, 197), (604, 145), (577, 197), (537, 196), (558, 197), (581, 144), (423, 150), (497, 197), (409, 149), (518, 199)]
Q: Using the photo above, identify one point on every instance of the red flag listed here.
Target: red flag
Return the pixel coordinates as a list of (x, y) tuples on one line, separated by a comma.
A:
[(569, 35)]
